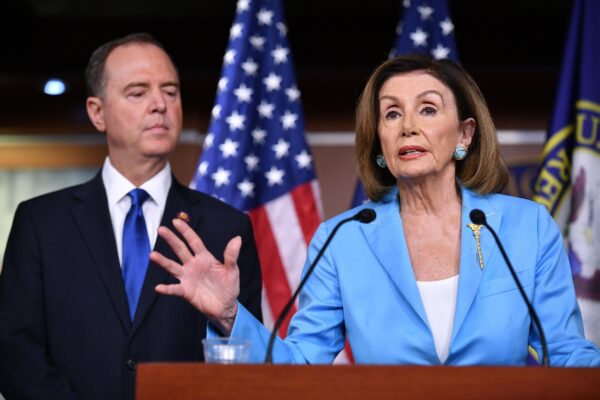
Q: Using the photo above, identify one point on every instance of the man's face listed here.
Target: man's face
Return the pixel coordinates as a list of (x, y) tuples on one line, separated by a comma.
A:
[(140, 109)]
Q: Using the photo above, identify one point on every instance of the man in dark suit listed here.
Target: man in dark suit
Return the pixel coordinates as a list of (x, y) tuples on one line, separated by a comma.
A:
[(78, 306)]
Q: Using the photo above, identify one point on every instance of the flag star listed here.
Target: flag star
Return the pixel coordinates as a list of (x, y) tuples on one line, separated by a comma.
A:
[(258, 136), (282, 28), (265, 17), (235, 121), (203, 168), (406, 3), (440, 52), (209, 140), (281, 148), (243, 93), (221, 177), (216, 111), (280, 55), (229, 57), (229, 148), (425, 12), (419, 38), (236, 31), (242, 5), (265, 109), (222, 85), (251, 162), (447, 26), (288, 120), (292, 93), (272, 82), (274, 176), (246, 187), (258, 42), (303, 159), (399, 28), (250, 67)]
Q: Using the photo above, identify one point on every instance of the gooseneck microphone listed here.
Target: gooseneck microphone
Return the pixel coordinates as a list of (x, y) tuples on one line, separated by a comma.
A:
[(478, 217), (366, 215)]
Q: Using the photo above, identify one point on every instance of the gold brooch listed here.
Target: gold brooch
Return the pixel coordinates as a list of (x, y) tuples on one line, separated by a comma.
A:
[(477, 233)]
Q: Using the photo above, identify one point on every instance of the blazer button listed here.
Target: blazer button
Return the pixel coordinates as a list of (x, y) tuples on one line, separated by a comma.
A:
[(131, 364)]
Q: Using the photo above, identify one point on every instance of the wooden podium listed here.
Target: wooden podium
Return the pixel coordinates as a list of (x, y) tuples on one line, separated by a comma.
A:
[(184, 381)]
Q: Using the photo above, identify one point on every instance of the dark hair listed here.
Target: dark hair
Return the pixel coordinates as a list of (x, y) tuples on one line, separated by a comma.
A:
[(483, 170), (94, 72)]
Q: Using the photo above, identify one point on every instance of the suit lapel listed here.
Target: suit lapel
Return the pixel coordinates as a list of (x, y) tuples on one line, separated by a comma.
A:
[(385, 237), (470, 269), (93, 220), (178, 200)]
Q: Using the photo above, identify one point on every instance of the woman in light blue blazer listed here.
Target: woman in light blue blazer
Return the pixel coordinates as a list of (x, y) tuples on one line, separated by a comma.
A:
[(421, 284)]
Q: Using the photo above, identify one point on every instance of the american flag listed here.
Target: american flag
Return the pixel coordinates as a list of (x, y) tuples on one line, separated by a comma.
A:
[(255, 155), (425, 27)]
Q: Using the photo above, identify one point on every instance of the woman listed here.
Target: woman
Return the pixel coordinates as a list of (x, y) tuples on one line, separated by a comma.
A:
[(420, 284)]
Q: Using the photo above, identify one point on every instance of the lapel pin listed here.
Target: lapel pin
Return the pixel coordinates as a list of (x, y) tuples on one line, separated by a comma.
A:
[(477, 233), (182, 215)]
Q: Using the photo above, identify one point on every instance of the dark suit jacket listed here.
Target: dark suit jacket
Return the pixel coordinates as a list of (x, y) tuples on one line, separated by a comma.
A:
[(65, 330)]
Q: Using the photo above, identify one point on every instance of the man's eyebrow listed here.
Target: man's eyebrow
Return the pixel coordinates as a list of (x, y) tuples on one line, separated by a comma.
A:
[(170, 83), (136, 84), (142, 84)]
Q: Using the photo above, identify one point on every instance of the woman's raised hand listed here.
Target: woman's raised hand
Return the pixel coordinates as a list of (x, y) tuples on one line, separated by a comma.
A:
[(206, 283)]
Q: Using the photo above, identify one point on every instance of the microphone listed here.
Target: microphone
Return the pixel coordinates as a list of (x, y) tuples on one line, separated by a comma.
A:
[(478, 217), (365, 216)]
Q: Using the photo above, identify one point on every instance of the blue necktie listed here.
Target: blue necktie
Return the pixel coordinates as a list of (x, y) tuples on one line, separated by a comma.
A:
[(136, 249)]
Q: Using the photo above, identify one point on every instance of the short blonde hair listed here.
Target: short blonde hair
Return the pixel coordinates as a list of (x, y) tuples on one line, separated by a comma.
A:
[(483, 170)]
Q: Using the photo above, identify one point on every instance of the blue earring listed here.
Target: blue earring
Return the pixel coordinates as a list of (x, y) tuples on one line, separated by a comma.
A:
[(380, 161), (460, 152)]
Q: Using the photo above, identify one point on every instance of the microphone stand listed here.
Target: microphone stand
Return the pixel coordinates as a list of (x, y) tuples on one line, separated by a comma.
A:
[(478, 217), (366, 215)]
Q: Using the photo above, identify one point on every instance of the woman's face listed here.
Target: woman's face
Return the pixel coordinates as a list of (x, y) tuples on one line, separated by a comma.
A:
[(419, 127)]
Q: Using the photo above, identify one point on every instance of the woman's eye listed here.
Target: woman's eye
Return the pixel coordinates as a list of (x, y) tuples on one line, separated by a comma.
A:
[(428, 111), (392, 115)]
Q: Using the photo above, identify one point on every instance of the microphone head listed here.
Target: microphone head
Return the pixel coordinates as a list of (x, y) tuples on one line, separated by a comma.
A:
[(477, 217), (366, 215)]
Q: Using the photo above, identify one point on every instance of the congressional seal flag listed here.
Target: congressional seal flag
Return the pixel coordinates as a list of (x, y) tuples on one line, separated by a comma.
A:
[(568, 183), (425, 27), (255, 156)]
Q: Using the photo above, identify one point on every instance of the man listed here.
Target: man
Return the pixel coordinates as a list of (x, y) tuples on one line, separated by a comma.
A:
[(78, 306)]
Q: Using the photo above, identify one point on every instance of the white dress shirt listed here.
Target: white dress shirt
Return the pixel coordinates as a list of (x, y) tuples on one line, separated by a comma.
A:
[(439, 300), (117, 187)]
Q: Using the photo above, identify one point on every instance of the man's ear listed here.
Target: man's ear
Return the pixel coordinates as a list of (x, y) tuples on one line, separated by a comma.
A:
[(467, 130), (95, 110)]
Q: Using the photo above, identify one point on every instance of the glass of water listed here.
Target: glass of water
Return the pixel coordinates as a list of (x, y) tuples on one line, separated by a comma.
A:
[(226, 350)]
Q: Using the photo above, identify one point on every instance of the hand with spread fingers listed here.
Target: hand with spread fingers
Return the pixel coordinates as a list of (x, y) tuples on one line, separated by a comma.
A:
[(206, 283)]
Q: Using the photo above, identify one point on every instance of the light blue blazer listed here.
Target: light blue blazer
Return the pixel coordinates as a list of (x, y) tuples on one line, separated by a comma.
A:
[(364, 288)]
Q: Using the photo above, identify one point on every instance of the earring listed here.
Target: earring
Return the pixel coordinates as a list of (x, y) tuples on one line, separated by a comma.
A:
[(380, 161), (460, 152)]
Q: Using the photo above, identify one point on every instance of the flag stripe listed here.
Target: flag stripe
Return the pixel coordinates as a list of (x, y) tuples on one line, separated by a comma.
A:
[(275, 281), (289, 239), (304, 204)]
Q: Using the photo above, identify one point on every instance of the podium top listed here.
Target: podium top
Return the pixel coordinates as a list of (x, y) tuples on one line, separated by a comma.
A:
[(290, 382)]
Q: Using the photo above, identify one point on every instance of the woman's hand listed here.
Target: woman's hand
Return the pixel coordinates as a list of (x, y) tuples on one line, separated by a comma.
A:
[(206, 283)]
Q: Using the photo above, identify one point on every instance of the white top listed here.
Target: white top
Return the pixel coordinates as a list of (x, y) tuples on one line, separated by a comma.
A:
[(439, 300), (117, 187)]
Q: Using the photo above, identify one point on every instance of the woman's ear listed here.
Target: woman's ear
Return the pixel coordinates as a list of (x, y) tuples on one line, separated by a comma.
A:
[(467, 130), (95, 110)]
